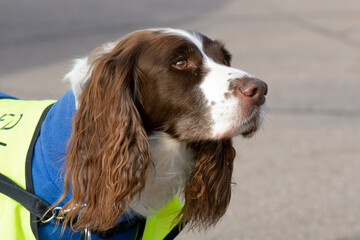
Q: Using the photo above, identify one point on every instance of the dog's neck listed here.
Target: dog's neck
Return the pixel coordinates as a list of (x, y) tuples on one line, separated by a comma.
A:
[(171, 164)]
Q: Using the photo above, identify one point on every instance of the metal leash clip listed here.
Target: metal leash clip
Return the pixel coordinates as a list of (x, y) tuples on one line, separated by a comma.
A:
[(59, 214), (87, 233)]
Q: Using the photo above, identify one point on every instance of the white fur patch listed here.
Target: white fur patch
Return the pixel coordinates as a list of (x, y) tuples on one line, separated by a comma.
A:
[(171, 165), (77, 77), (81, 71), (226, 111), (191, 37)]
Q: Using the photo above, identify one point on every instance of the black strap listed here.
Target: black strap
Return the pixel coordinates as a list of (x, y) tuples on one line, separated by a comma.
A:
[(28, 172), (121, 227), (173, 233), (38, 207), (9, 97), (82, 235), (140, 231), (31, 202)]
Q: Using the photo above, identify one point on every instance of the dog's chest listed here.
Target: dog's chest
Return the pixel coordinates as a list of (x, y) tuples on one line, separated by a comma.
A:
[(171, 165)]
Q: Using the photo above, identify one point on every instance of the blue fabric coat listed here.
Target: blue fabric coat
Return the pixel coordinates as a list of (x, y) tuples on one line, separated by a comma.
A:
[(49, 153)]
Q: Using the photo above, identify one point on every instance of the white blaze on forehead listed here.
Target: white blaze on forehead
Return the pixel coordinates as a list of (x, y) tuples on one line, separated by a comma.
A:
[(192, 37)]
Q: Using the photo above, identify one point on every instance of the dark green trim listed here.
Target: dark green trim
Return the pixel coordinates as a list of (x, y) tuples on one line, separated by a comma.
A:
[(28, 164)]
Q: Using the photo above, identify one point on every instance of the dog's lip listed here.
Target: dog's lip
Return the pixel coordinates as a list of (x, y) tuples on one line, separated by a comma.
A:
[(263, 100), (250, 132), (246, 127), (253, 123)]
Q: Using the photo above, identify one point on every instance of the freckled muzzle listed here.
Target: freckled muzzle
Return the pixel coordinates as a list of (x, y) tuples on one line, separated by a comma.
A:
[(250, 93)]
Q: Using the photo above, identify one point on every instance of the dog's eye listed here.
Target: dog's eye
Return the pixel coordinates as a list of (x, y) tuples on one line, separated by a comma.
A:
[(182, 64)]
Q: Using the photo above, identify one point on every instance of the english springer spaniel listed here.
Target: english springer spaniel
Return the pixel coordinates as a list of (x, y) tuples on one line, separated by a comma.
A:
[(155, 114)]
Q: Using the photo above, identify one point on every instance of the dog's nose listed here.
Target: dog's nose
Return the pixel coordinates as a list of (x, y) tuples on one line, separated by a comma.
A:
[(252, 89)]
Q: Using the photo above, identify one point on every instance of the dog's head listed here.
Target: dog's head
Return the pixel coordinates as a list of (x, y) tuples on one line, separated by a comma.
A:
[(175, 81), (188, 89)]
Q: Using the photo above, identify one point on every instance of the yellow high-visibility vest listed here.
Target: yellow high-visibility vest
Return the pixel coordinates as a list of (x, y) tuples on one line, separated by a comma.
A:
[(20, 122)]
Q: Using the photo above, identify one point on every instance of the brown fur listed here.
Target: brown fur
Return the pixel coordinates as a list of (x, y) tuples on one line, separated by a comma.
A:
[(109, 153), (208, 191)]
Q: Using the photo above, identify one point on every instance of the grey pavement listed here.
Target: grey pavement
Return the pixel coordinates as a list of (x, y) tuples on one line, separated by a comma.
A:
[(299, 177)]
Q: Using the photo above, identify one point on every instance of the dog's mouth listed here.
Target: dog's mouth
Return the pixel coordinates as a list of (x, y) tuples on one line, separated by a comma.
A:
[(252, 123), (250, 132), (246, 128)]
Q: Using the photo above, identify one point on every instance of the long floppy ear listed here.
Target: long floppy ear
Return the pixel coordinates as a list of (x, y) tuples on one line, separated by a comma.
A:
[(208, 192), (109, 151)]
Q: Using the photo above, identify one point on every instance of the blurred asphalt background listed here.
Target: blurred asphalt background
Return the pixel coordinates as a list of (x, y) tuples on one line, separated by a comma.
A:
[(299, 178)]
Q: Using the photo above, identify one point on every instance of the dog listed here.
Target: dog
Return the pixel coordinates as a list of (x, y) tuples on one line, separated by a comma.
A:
[(148, 116)]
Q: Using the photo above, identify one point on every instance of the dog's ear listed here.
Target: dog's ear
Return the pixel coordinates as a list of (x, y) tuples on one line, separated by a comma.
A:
[(109, 151), (208, 192)]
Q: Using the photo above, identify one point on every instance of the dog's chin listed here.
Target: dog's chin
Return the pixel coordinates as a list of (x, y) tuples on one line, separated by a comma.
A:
[(252, 123), (246, 128), (250, 132), (241, 126), (246, 131)]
